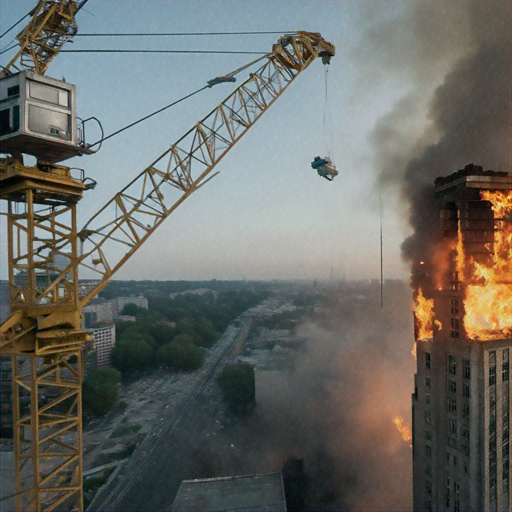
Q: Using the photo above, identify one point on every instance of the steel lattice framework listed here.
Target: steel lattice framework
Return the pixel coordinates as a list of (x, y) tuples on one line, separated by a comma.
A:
[(47, 253), (52, 25)]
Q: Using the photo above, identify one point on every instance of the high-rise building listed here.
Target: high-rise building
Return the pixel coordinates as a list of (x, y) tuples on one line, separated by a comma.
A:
[(104, 339), (462, 398)]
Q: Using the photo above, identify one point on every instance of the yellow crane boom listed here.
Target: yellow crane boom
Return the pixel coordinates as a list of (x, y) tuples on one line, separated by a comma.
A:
[(137, 210), (43, 333)]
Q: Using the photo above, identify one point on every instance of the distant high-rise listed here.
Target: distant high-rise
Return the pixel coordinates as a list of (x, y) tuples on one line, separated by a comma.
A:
[(463, 319)]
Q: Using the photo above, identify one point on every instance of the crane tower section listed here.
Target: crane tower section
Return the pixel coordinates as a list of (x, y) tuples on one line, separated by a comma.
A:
[(43, 333)]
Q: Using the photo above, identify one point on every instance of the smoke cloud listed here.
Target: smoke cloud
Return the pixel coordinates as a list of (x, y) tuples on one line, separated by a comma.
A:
[(452, 62), (469, 112), (334, 410)]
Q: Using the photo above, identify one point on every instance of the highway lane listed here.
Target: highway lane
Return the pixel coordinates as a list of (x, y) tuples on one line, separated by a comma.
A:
[(150, 480)]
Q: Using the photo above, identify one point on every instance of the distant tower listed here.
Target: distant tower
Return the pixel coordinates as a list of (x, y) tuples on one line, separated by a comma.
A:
[(461, 403)]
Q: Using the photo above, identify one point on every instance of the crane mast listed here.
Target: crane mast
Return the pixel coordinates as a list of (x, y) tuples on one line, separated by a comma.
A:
[(47, 253)]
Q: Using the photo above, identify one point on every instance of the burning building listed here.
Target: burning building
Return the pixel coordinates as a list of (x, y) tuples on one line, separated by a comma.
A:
[(463, 331)]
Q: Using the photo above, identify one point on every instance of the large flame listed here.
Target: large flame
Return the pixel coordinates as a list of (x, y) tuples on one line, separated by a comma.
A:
[(423, 314), (488, 300), (404, 429)]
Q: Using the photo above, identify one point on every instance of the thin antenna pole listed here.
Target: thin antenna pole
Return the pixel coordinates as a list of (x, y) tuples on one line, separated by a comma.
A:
[(381, 258)]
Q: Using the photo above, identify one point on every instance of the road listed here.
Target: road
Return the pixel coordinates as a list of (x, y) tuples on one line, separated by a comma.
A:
[(150, 479)]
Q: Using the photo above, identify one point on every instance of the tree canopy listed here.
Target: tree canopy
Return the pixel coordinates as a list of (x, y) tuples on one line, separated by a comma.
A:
[(131, 355), (238, 387), (180, 356), (100, 391)]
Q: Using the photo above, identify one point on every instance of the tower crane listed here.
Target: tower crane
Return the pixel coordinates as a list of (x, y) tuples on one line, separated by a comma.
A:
[(47, 252)]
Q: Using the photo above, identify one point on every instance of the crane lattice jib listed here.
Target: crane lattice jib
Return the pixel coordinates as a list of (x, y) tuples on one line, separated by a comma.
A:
[(52, 24), (44, 332), (116, 231)]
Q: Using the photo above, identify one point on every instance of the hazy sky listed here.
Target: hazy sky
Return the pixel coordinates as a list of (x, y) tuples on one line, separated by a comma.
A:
[(268, 214)]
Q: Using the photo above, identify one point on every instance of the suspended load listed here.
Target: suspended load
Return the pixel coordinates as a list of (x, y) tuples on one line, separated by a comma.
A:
[(324, 167)]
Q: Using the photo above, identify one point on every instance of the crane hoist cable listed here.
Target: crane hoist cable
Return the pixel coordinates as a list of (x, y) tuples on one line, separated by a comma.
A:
[(230, 77), (325, 166), (236, 52), (158, 34), (17, 23), (147, 117), (327, 118)]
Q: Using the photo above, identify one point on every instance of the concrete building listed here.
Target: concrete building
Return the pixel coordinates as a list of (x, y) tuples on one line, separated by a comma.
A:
[(247, 493), (104, 341), (461, 403), (99, 316), (99, 311)]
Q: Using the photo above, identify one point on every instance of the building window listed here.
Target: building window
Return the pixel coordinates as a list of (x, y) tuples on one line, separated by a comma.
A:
[(452, 427), (428, 382), (428, 435), (451, 404), (466, 369), (505, 371), (492, 357), (452, 366), (427, 360), (464, 432), (428, 450), (452, 443), (427, 399), (455, 328), (453, 386), (466, 390), (428, 470), (448, 482), (505, 451), (427, 417), (465, 410), (465, 451), (492, 375), (455, 461)]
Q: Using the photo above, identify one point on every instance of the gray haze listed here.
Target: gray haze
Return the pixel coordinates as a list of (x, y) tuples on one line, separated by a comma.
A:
[(335, 411)]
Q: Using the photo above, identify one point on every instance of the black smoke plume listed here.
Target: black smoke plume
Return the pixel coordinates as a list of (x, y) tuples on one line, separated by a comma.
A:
[(470, 112)]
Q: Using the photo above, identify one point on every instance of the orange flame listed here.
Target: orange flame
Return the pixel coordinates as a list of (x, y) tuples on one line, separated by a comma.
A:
[(488, 301), (423, 313), (404, 429)]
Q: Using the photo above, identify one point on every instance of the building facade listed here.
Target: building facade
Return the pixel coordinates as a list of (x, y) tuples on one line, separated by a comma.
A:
[(461, 403), (104, 339)]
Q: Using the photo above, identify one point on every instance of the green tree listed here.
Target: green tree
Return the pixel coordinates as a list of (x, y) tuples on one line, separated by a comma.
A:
[(206, 331), (180, 356), (238, 387), (161, 332), (130, 309), (132, 354), (100, 391)]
